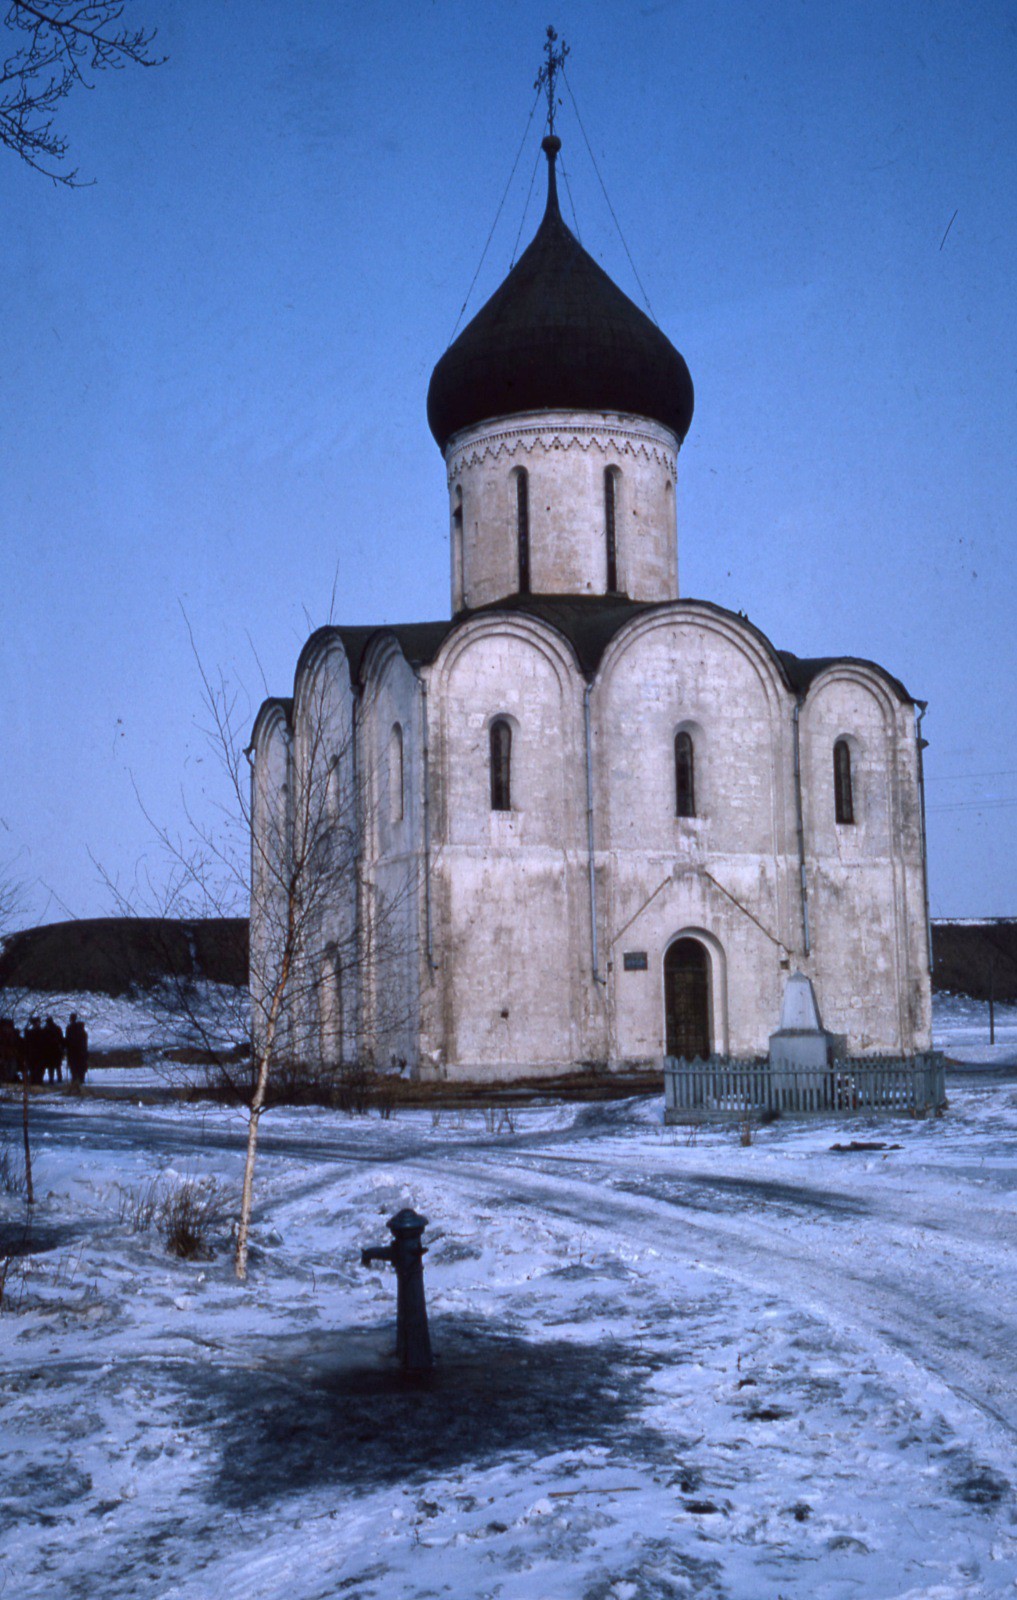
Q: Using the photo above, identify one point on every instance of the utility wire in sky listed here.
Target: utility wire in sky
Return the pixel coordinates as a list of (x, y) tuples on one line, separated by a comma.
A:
[(607, 197), (976, 805), (969, 777), (497, 214)]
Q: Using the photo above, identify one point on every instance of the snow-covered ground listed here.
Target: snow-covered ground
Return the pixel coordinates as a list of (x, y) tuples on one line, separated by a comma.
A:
[(195, 1013), (960, 1029), (667, 1364), (200, 1016)]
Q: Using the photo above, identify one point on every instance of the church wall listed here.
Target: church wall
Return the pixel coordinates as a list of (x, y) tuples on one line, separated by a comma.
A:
[(270, 852), (515, 668), (866, 893), (564, 456), (324, 993), (747, 970), (510, 989), (695, 672), (508, 887), (509, 999), (393, 936), (515, 990), (730, 870)]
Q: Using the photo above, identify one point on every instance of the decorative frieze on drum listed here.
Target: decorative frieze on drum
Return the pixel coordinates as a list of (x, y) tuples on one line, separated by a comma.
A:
[(637, 441)]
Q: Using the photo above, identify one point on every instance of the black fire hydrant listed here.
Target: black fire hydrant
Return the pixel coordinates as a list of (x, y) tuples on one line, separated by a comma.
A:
[(406, 1253)]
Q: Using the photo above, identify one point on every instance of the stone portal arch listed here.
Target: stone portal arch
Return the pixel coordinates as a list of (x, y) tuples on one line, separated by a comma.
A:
[(688, 1009)]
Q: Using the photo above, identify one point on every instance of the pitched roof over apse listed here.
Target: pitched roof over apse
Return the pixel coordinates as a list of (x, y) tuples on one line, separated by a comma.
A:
[(590, 622), (418, 641), (273, 703), (587, 622), (558, 335), (803, 671)]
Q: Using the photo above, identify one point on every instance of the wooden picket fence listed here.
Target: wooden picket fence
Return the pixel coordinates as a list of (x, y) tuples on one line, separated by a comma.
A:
[(725, 1088)]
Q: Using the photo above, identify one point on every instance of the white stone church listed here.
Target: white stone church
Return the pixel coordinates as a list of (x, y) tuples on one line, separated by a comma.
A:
[(585, 822)]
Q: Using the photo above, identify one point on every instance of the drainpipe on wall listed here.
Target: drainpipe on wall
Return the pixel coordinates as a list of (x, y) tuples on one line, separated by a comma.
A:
[(589, 837), (427, 828), (806, 940), (921, 707)]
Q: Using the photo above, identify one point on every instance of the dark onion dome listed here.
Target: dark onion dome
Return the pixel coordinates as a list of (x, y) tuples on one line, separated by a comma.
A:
[(558, 335)]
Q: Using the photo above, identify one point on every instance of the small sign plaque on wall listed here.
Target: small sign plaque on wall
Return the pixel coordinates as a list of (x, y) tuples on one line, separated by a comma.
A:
[(634, 960)]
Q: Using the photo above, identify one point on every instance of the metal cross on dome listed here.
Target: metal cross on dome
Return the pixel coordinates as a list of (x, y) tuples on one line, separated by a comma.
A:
[(549, 71)]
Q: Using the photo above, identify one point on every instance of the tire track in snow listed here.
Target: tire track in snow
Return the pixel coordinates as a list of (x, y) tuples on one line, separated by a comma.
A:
[(939, 1290), (928, 1314)]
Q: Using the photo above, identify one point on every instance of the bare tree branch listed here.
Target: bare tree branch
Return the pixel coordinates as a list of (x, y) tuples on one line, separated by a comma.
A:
[(12, 901), (298, 867), (12, 904), (56, 45)]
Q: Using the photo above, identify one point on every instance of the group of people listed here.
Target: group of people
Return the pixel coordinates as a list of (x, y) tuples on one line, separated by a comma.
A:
[(42, 1049)]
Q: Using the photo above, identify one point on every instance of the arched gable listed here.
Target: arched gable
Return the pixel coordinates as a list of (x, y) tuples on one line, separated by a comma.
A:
[(271, 750), (538, 635), (512, 666), (322, 678), (321, 642), (323, 701), (747, 641), (271, 846), (390, 737), (383, 656), (688, 670), (860, 676), (274, 717), (852, 702)]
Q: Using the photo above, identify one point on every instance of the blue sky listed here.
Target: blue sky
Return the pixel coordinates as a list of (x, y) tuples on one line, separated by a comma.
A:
[(215, 361)]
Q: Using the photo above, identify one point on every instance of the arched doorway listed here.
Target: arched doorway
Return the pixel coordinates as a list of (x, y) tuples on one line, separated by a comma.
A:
[(687, 999)]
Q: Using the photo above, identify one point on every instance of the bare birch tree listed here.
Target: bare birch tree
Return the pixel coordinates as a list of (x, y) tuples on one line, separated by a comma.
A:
[(288, 846)]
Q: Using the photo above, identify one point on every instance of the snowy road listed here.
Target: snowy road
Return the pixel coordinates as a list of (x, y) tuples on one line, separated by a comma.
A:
[(939, 1285), (938, 1288), (669, 1365)]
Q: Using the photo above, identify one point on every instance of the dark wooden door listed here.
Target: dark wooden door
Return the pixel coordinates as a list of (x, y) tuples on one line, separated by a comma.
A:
[(687, 999)]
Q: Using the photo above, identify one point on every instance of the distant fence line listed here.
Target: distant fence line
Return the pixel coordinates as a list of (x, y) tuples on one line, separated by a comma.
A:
[(725, 1087)]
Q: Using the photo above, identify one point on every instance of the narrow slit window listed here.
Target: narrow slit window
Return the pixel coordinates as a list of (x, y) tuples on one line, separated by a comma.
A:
[(523, 528), (684, 776), (501, 765), (843, 794), (458, 583), (396, 773), (333, 796), (610, 533)]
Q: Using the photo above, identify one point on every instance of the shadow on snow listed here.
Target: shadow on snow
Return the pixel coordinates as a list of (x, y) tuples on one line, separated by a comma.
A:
[(310, 1411)]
